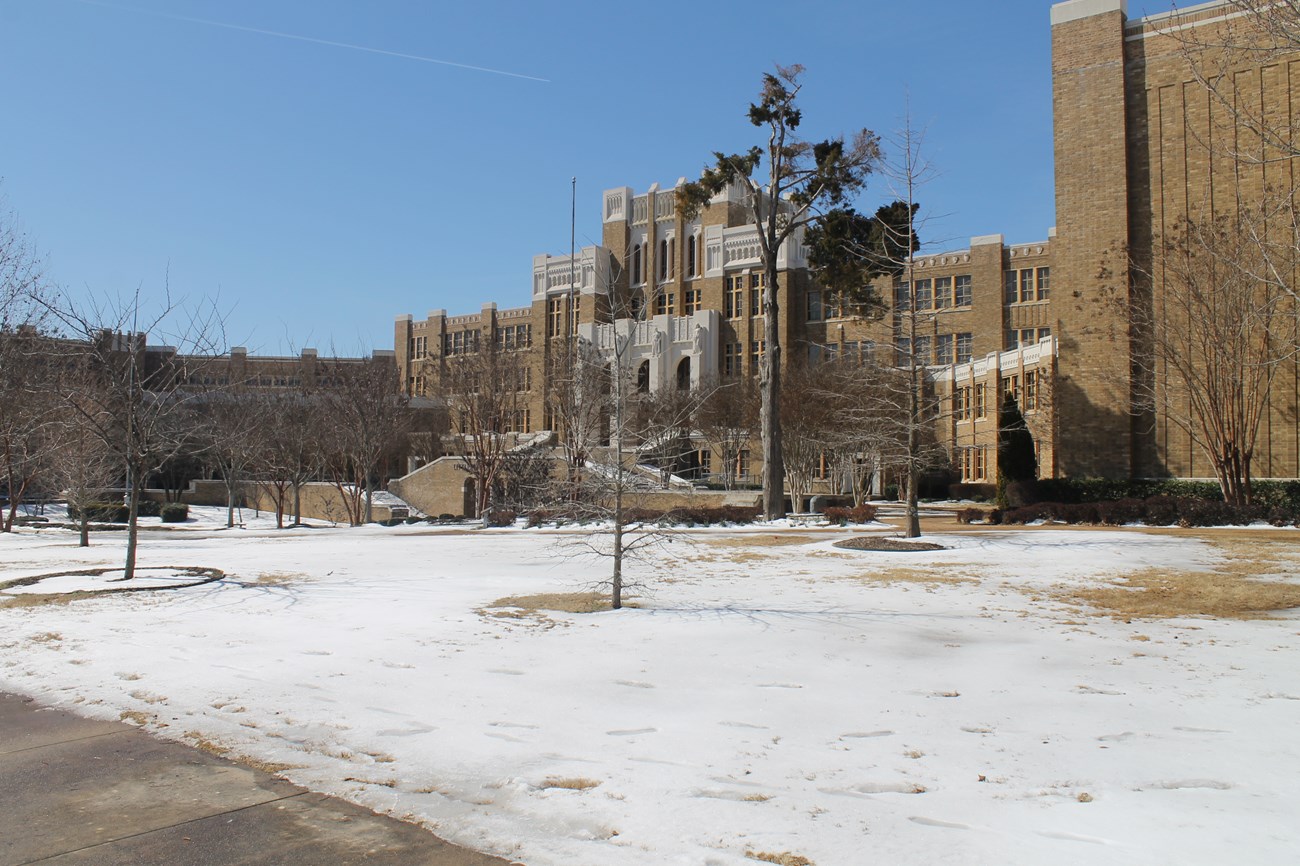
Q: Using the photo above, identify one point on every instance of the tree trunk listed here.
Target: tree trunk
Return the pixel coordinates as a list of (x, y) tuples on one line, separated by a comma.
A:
[(370, 494), (132, 526), (230, 505), (770, 412), (297, 503), (85, 529), (913, 509)]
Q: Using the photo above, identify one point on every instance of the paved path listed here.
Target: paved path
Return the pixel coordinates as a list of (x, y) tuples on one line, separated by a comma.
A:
[(77, 791)]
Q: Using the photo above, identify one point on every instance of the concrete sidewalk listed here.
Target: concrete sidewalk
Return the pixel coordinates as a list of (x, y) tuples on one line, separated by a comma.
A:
[(77, 791)]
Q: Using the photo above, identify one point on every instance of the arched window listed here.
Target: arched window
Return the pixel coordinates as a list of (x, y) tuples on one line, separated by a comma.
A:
[(636, 264), (684, 375), (690, 256), (643, 377)]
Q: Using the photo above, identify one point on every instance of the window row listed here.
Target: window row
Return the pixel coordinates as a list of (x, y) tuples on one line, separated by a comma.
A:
[(1026, 284), (1018, 338), (666, 303), (940, 349), (732, 357), (733, 295), (974, 463), (936, 293), (1026, 393), (665, 261), (555, 314), (822, 306)]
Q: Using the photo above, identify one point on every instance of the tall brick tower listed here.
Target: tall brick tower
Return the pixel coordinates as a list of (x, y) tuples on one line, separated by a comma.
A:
[(1092, 185)]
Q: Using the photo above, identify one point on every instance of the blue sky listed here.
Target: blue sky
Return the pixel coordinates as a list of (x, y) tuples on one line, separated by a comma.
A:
[(321, 190)]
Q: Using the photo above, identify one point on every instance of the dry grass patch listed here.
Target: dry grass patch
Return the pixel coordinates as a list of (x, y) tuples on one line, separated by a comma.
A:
[(565, 602), (784, 858), (278, 578), (925, 576), (576, 783), (756, 798), (1242, 586), (134, 716), (1158, 594), (760, 540)]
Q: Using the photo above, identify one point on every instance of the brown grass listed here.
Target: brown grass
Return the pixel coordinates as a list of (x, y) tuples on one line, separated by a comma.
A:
[(762, 540), (278, 578), (565, 602), (1158, 594), (756, 798), (136, 716), (576, 783), (785, 858), (936, 576)]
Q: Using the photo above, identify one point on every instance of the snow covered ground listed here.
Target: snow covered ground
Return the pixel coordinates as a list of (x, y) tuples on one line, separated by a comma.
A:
[(774, 694)]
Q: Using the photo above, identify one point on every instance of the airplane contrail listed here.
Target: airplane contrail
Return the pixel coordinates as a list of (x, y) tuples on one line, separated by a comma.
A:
[(312, 39)]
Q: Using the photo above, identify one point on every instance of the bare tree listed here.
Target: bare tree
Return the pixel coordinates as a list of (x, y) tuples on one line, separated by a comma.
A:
[(368, 418), (727, 422), (233, 423), (83, 466), (24, 370), (1212, 339), (142, 403), (800, 178), (291, 447), (577, 394), (486, 393)]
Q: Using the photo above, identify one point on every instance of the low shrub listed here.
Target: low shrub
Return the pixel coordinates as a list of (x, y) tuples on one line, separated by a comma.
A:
[(502, 517), (174, 512), (863, 513), (102, 512), (973, 515), (149, 508), (1120, 512)]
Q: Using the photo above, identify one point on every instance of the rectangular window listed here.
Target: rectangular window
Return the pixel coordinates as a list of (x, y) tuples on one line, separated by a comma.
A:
[(690, 301), (1009, 293), (664, 303), (575, 306), (964, 347), (902, 297), (731, 360), (942, 293), (922, 350), (943, 349), (1031, 390), (733, 298), (756, 283), (961, 407), (923, 293), (1044, 283), (1044, 333), (756, 350), (962, 291), (1011, 388), (554, 316), (742, 464), (1026, 285), (981, 401), (903, 351), (814, 306), (978, 469)]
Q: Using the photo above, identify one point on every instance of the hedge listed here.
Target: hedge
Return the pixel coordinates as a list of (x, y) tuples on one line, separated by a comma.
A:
[(175, 512), (844, 516)]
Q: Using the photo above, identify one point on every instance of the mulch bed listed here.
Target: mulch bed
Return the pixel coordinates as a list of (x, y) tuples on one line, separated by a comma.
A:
[(891, 545)]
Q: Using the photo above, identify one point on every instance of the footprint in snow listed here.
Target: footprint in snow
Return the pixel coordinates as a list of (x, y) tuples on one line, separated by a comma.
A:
[(779, 686), (633, 684), (863, 735), (512, 725), (506, 671), (317, 653), (1117, 738), (631, 732), (506, 737), (1200, 730), (744, 725)]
